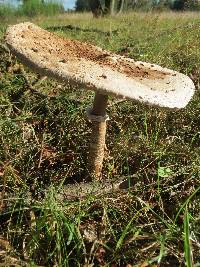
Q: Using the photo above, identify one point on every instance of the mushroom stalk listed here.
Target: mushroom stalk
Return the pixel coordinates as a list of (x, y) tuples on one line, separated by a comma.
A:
[(97, 115)]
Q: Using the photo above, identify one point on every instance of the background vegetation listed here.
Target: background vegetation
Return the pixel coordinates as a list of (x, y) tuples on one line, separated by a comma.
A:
[(43, 149), (112, 6), (31, 8)]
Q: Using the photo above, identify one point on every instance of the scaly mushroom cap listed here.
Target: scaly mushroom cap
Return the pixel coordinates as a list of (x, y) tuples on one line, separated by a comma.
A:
[(96, 69)]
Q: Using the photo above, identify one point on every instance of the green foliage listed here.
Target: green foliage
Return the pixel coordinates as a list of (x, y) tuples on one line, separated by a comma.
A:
[(192, 5), (181, 5), (144, 5), (178, 4), (33, 8), (82, 5), (104, 6), (6, 11)]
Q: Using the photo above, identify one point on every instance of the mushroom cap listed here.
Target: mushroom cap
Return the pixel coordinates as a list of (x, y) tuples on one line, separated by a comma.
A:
[(96, 69)]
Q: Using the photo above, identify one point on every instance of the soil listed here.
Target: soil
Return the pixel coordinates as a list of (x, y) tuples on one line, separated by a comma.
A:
[(44, 42)]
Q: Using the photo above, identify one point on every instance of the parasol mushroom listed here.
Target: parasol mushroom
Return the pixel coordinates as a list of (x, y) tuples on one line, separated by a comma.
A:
[(104, 72)]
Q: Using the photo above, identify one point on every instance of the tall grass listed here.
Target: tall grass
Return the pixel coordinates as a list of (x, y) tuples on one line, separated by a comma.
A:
[(31, 8), (6, 11)]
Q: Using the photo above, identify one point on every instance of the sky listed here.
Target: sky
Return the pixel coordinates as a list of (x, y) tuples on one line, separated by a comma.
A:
[(68, 4)]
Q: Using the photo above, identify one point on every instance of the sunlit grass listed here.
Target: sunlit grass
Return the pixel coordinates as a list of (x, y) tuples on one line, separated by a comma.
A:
[(43, 147)]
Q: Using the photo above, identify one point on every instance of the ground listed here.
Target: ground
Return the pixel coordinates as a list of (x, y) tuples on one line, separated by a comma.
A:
[(44, 138)]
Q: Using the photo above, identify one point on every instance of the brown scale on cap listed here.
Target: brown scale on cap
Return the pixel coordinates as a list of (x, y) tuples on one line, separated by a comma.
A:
[(69, 49), (104, 72)]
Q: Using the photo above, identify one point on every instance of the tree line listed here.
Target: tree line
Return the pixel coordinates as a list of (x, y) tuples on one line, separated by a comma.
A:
[(102, 7)]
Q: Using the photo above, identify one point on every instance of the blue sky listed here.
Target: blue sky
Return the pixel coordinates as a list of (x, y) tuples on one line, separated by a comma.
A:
[(69, 3)]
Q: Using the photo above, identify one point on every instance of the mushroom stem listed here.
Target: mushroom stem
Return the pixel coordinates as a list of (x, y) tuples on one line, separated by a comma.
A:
[(97, 115), (99, 105)]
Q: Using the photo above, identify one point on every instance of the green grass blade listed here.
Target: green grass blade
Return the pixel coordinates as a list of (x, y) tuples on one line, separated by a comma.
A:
[(162, 249), (186, 202), (187, 244), (127, 228)]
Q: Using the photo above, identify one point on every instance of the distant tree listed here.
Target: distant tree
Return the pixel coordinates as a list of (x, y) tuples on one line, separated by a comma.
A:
[(103, 7), (82, 5), (140, 4), (162, 4), (113, 6), (96, 7), (192, 4), (25, 1), (121, 5), (178, 4), (185, 5)]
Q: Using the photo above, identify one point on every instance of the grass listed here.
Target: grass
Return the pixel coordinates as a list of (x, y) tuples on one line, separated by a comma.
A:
[(44, 147), (6, 11), (31, 8), (187, 244)]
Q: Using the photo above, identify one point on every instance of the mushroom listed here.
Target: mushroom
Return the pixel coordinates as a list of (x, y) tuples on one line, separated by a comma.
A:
[(104, 72)]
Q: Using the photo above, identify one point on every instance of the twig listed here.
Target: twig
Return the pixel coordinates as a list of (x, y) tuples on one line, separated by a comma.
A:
[(41, 152), (76, 28), (116, 102), (97, 188)]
